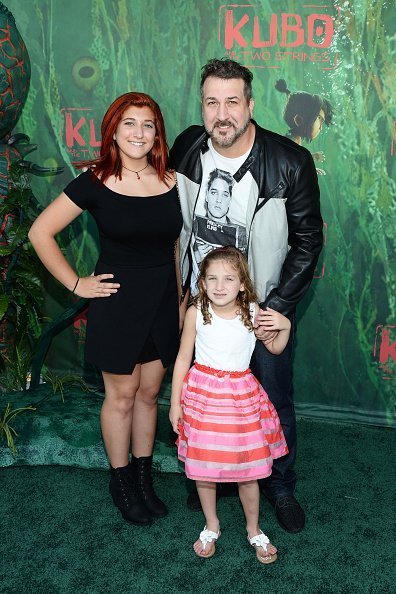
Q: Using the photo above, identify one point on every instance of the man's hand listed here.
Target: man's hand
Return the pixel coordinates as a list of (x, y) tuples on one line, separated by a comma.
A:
[(271, 320), (264, 335), (267, 324)]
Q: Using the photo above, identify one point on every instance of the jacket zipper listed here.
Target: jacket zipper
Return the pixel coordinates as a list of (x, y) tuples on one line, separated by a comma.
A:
[(265, 199)]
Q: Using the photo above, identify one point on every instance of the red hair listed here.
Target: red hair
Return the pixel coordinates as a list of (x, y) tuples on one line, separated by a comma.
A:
[(109, 162)]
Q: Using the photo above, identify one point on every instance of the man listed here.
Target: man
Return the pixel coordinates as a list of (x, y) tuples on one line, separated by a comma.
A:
[(276, 199)]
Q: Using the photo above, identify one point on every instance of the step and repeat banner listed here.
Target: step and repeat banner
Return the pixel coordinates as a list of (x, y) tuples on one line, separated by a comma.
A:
[(336, 56)]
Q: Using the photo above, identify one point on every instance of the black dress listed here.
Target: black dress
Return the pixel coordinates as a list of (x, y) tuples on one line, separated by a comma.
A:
[(137, 234)]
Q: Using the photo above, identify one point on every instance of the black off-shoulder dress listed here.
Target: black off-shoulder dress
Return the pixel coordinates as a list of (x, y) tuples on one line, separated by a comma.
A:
[(140, 322)]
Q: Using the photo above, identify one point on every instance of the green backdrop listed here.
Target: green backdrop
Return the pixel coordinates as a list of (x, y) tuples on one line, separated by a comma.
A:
[(84, 53)]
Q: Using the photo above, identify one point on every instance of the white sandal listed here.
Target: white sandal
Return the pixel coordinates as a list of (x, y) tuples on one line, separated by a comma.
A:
[(208, 536), (261, 540)]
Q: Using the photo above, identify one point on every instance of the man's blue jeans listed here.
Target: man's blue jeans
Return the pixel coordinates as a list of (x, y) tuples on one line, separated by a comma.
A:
[(275, 374)]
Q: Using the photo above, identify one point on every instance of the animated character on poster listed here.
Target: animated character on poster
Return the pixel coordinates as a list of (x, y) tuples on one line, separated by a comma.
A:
[(305, 115), (216, 229)]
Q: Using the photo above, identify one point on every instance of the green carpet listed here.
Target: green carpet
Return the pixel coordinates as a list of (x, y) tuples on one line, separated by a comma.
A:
[(61, 534), (68, 432)]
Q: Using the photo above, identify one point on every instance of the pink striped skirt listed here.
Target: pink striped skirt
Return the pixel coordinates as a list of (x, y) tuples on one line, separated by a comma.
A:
[(230, 431)]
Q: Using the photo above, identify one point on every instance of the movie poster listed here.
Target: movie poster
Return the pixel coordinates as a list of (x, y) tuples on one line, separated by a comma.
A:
[(324, 75)]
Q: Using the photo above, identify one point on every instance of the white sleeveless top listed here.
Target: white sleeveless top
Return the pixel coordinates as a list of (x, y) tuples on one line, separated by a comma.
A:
[(226, 345)]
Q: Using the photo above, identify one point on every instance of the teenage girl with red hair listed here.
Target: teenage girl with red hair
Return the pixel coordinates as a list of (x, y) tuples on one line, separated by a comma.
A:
[(133, 319)]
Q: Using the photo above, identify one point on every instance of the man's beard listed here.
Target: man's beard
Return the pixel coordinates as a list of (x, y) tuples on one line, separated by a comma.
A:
[(228, 141)]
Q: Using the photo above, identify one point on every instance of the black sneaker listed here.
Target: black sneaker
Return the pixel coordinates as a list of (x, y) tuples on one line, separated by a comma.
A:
[(289, 513)]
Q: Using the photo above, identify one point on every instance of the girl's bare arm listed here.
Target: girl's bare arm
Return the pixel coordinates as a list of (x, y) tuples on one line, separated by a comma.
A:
[(182, 365), (58, 215)]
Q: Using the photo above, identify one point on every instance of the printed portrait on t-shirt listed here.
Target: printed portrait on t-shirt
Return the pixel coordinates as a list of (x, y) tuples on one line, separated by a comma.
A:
[(215, 228)]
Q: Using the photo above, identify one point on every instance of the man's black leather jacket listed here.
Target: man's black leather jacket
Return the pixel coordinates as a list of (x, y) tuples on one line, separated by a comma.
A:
[(283, 219)]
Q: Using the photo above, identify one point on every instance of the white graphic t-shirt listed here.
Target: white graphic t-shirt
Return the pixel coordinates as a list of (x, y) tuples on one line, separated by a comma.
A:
[(220, 214)]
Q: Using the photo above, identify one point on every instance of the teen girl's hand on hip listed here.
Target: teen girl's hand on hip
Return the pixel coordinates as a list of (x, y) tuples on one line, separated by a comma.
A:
[(56, 217), (176, 417), (93, 286)]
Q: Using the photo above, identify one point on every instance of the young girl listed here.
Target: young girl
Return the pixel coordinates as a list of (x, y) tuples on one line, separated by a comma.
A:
[(228, 429)]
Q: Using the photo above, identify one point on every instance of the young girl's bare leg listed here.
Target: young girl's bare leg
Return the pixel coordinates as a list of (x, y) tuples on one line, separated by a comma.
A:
[(207, 497), (249, 494)]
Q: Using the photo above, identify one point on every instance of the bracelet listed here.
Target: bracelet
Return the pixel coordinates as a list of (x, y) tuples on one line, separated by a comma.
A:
[(75, 286)]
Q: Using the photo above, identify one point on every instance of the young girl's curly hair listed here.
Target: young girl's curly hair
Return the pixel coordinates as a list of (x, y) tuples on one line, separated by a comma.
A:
[(237, 260)]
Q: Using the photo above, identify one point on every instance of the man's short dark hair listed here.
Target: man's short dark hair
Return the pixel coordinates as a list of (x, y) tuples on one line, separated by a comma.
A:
[(225, 69), (220, 174)]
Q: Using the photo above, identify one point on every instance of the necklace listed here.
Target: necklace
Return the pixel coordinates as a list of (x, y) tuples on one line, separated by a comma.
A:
[(137, 172)]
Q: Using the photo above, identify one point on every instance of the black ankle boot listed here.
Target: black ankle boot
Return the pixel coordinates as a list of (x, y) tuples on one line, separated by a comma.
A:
[(125, 497), (141, 471)]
